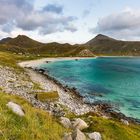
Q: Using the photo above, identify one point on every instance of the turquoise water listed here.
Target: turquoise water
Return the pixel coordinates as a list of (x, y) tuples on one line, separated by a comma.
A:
[(115, 80)]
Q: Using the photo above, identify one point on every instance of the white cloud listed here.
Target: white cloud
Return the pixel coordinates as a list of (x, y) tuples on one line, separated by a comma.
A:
[(21, 14), (123, 25)]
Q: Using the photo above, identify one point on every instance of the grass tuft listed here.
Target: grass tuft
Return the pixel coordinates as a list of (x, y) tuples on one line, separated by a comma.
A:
[(45, 96)]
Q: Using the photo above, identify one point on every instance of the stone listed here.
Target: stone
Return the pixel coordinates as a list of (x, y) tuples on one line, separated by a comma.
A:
[(105, 117), (79, 124), (65, 122), (78, 135), (16, 108), (67, 137), (94, 136), (125, 122)]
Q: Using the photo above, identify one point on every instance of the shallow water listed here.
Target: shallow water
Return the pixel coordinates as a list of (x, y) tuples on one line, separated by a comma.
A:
[(114, 79)]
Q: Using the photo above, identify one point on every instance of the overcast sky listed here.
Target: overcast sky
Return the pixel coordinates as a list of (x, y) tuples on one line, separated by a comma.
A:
[(72, 21)]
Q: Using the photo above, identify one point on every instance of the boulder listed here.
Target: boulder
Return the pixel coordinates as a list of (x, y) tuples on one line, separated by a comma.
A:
[(67, 137), (78, 135), (16, 108), (125, 122), (79, 124), (65, 122), (94, 136)]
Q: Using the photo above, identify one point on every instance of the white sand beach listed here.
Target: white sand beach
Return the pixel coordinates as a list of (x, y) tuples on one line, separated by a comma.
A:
[(35, 63)]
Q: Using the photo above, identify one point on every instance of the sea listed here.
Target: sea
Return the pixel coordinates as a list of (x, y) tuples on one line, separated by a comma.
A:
[(113, 80)]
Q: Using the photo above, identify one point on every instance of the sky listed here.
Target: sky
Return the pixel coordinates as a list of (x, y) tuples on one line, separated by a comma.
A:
[(70, 21)]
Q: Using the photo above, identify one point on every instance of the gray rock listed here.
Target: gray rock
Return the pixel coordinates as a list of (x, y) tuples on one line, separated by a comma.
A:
[(67, 137), (79, 124), (78, 135), (125, 122), (65, 122), (16, 108), (94, 136)]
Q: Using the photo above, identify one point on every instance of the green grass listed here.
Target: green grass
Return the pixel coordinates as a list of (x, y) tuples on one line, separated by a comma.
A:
[(35, 125), (113, 129), (11, 60), (47, 96)]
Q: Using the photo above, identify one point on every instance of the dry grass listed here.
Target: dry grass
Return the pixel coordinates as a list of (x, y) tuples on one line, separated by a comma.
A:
[(45, 96)]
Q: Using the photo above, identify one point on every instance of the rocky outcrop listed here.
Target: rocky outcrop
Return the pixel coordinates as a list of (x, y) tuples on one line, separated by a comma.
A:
[(86, 52), (65, 122), (79, 124), (16, 108), (67, 137), (78, 135), (125, 122), (94, 136)]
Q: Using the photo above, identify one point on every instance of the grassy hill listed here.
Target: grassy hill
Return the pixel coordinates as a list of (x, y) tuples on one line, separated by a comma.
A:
[(25, 45), (36, 125), (100, 45), (105, 45)]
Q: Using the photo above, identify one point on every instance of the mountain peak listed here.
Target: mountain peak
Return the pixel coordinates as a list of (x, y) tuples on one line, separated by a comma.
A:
[(101, 37), (22, 37), (22, 41), (98, 38)]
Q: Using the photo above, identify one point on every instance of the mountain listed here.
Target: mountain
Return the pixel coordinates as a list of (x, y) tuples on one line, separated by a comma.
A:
[(23, 41), (104, 45), (25, 45), (100, 45), (99, 38)]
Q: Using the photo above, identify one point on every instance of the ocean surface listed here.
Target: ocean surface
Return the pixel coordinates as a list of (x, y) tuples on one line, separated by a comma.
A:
[(115, 80)]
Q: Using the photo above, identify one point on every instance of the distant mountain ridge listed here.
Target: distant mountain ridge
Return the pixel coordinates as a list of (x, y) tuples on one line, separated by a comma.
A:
[(25, 45), (100, 45)]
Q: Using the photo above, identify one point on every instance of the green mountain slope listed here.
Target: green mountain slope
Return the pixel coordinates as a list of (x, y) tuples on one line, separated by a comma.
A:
[(105, 45), (100, 45), (25, 45)]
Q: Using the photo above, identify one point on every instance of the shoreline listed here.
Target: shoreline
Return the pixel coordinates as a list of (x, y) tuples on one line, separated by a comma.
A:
[(73, 99), (35, 63), (66, 97)]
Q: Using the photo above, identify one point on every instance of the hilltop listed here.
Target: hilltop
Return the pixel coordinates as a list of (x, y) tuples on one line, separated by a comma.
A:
[(98, 39)]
